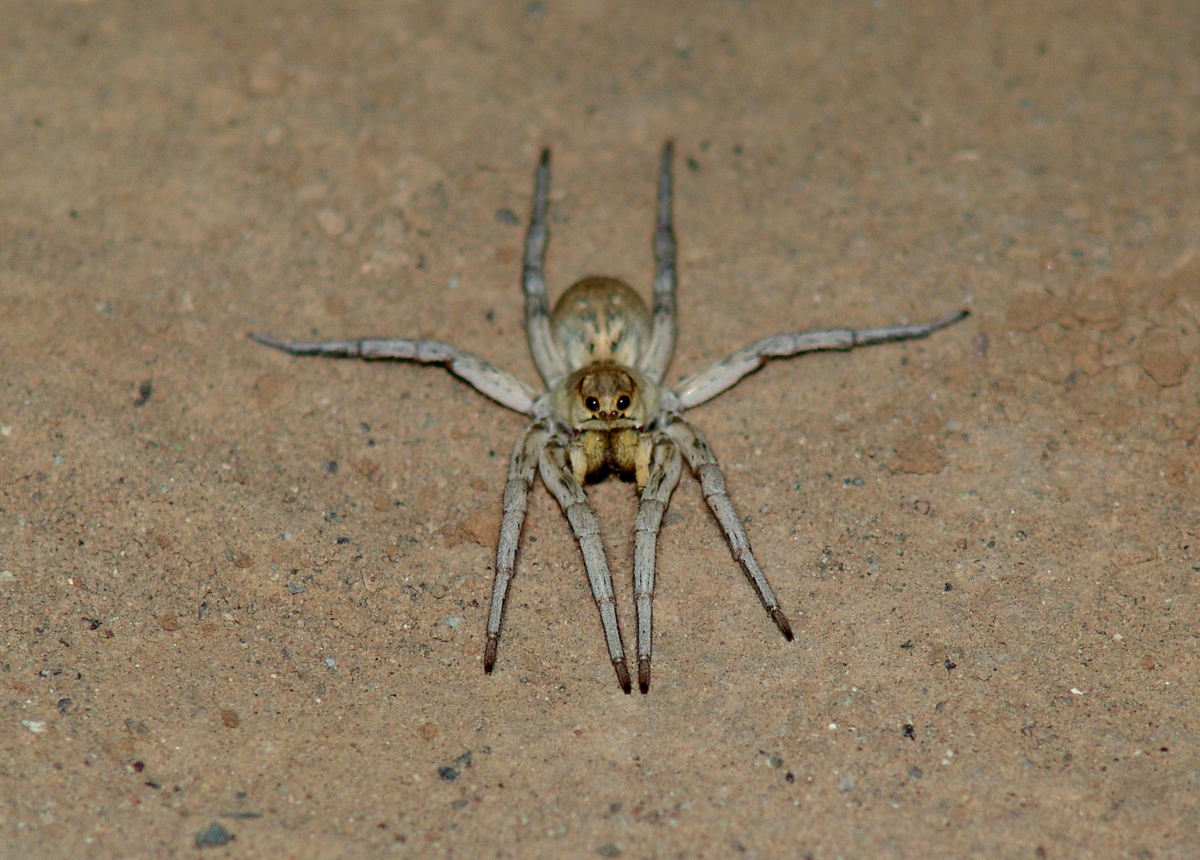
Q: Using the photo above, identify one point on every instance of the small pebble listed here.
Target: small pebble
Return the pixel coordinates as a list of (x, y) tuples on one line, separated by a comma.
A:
[(213, 836), (332, 222), (265, 78)]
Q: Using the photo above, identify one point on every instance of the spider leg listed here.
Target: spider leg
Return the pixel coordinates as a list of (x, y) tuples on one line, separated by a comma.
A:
[(664, 476), (712, 484), (662, 339), (556, 475), (723, 375), (546, 355), (521, 470), (502, 387)]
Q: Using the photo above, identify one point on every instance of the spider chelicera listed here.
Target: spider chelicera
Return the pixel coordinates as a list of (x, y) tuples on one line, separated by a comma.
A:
[(605, 409)]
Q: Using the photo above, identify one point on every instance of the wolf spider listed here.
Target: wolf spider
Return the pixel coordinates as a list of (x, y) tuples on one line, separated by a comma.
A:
[(605, 409)]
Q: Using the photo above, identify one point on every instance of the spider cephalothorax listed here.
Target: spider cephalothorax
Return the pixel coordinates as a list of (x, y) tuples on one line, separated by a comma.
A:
[(608, 406), (602, 357), (605, 396)]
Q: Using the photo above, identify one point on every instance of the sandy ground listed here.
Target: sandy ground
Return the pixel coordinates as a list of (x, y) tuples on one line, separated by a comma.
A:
[(246, 590)]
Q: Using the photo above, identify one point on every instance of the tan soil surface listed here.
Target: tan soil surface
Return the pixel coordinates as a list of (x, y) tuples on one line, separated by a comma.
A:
[(987, 541)]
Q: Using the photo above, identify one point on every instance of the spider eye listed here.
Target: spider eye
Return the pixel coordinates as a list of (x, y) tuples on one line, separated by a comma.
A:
[(623, 402), (592, 404)]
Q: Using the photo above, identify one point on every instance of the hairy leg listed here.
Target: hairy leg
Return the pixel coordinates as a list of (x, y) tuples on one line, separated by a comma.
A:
[(662, 339), (550, 362), (663, 477), (556, 475), (712, 483), (502, 387), (521, 470), (726, 373)]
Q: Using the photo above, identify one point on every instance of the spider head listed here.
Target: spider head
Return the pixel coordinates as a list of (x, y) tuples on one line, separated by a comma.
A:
[(606, 397)]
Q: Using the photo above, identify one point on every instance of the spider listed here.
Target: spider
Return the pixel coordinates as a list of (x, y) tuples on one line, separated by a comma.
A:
[(606, 410)]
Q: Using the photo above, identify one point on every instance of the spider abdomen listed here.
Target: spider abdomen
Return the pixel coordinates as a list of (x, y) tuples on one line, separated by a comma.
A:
[(600, 320)]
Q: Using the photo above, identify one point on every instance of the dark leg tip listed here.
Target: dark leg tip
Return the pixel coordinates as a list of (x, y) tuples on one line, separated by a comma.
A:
[(782, 623), (644, 675), (623, 675), (489, 655), (952, 318), (267, 340)]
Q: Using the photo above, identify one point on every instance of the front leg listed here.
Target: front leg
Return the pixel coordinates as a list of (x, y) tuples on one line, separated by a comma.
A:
[(663, 476), (725, 374), (502, 387), (521, 470), (712, 484), (573, 501)]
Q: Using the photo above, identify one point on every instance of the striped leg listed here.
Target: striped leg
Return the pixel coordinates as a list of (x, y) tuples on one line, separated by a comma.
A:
[(546, 355), (727, 372), (497, 384), (700, 457), (521, 470), (556, 475), (664, 475), (662, 339)]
